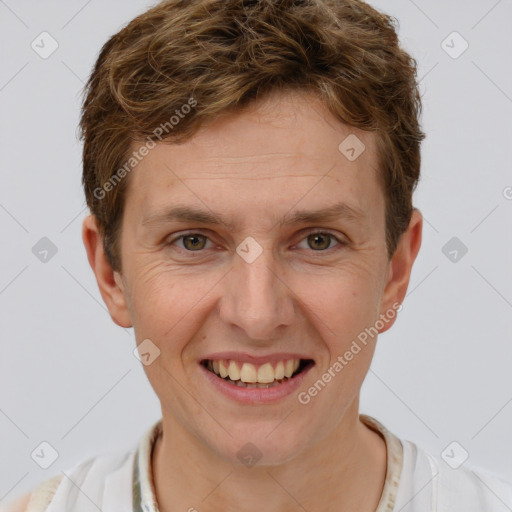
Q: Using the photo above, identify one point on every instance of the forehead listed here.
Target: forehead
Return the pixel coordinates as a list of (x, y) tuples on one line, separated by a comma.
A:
[(284, 149)]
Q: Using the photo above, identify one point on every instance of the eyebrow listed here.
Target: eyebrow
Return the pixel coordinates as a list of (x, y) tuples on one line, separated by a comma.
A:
[(330, 213), (189, 214)]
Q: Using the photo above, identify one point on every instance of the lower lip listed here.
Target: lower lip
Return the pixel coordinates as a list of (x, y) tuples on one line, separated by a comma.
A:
[(255, 395)]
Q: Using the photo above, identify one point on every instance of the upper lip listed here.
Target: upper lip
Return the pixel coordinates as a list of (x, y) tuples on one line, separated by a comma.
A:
[(244, 357)]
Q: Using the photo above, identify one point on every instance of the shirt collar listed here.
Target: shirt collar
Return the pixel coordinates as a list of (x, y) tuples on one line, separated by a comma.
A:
[(144, 499), (394, 451)]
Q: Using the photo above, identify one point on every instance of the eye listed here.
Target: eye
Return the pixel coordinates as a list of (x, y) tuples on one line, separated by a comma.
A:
[(317, 241), (320, 241), (191, 241)]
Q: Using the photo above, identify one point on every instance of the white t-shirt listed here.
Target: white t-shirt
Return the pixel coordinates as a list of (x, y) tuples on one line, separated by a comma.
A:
[(415, 482)]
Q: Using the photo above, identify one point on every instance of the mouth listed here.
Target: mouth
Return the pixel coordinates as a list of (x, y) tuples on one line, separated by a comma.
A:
[(257, 376)]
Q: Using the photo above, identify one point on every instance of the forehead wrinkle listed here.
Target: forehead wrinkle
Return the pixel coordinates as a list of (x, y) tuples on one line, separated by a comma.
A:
[(269, 173), (259, 156), (252, 178)]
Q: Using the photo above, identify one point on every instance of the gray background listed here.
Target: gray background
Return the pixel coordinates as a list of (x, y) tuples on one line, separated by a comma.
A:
[(442, 373)]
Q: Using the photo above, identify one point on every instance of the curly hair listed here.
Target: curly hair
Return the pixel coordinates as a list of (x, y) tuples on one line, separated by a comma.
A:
[(219, 56)]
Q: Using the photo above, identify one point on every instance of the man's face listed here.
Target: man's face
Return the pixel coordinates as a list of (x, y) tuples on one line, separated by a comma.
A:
[(221, 263)]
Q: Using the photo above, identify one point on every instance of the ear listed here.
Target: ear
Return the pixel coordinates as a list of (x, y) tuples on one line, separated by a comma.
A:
[(109, 281), (400, 267)]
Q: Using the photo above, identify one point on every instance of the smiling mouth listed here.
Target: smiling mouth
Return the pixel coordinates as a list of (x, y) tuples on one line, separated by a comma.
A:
[(248, 375)]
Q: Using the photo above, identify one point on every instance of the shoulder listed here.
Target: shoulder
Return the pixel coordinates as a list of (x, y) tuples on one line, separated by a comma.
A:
[(430, 483), (18, 505), (35, 500), (92, 477)]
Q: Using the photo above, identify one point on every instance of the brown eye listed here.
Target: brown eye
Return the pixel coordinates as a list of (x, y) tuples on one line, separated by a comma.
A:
[(194, 242), (319, 241)]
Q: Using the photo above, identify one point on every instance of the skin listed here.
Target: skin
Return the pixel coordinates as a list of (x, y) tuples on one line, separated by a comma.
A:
[(253, 168)]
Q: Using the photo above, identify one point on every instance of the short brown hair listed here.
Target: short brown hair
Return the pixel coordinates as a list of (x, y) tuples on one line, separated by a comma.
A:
[(225, 54)]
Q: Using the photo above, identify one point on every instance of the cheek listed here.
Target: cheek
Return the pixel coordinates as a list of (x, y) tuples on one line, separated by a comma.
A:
[(340, 303), (167, 305), (340, 310)]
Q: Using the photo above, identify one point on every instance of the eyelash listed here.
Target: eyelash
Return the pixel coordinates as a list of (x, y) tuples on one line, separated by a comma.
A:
[(340, 243)]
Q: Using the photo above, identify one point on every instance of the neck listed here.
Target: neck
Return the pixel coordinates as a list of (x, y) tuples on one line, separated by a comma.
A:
[(344, 472)]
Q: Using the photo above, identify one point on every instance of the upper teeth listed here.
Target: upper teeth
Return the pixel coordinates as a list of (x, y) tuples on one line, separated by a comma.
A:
[(247, 372)]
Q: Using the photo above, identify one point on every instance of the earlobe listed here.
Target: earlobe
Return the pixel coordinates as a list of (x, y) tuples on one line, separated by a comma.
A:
[(109, 281), (400, 266)]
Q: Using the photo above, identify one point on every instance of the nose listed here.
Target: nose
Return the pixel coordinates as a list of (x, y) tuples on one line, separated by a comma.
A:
[(256, 298)]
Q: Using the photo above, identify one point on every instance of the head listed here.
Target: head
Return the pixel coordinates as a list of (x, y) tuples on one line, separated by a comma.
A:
[(249, 167)]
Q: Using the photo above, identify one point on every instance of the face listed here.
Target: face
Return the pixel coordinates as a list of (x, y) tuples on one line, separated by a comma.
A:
[(257, 251)]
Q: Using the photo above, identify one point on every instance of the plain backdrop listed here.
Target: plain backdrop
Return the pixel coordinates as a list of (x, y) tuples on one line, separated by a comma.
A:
[(68, 376)]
